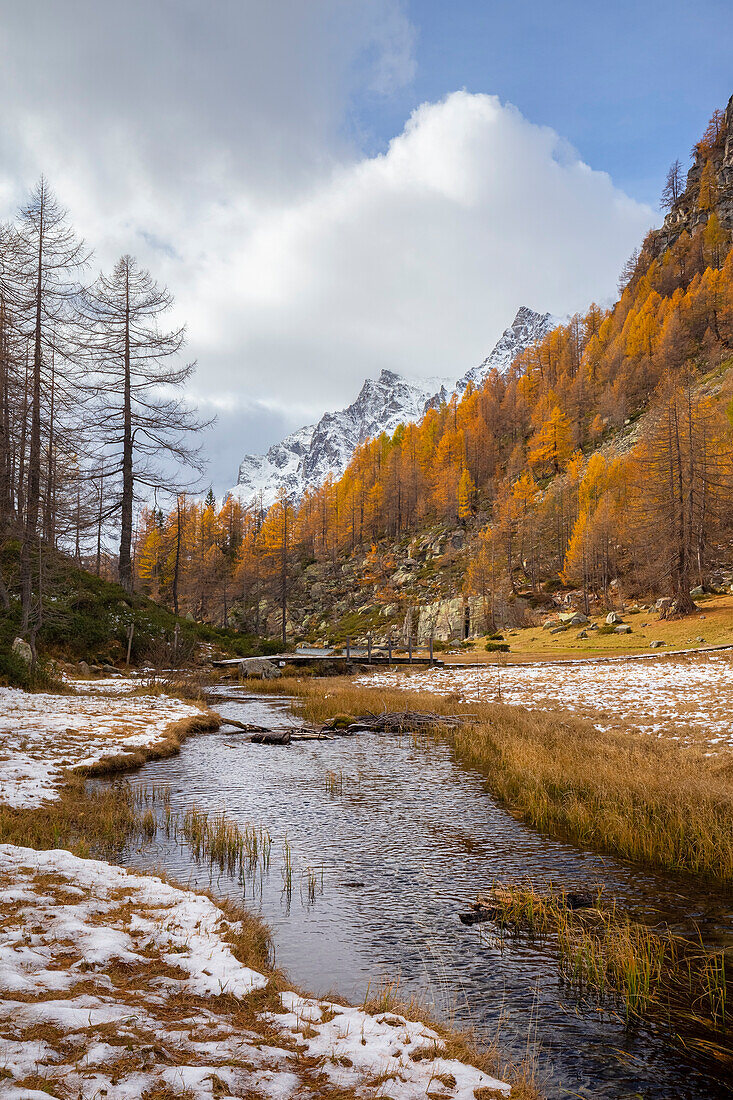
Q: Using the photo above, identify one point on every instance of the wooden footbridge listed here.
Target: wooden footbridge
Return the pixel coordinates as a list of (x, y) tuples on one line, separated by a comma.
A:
[(385, 655)]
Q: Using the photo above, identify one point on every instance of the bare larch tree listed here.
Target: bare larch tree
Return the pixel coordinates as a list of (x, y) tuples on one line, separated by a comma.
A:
[(145, 427), (49, 261)]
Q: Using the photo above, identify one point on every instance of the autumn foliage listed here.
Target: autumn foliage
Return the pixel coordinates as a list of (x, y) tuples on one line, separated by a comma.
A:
[(604, 452)]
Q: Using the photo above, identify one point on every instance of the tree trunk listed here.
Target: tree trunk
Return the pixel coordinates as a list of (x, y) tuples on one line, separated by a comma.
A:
[(284, 576), (125, 560), (5, 490), (48, 518), (177, 567), (34, 457), (99, 522)]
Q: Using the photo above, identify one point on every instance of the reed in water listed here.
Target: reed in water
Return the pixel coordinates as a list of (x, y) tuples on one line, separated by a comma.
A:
[(648, 973)]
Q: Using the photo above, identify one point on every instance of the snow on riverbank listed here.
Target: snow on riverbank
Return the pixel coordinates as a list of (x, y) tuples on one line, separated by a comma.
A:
[(686, 698), (41, 734), (113, 984)]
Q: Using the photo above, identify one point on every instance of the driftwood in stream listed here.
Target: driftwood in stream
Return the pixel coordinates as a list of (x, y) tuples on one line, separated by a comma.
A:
[(271, 737), (287, 736), (248, 727), (403, 721)]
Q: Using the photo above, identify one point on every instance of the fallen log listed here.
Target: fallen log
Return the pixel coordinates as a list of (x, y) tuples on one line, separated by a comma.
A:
[(287, 736), (248, 727)]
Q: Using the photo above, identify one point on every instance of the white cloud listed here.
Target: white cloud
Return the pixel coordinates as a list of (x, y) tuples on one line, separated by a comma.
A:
[(416, 259), (210, 140)]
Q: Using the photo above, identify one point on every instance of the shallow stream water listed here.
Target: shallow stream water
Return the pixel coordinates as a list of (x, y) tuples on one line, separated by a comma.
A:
[(382, 866)]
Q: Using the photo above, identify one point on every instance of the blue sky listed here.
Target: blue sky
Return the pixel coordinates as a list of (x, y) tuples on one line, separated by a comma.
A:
[(631, 85), (335, 187)]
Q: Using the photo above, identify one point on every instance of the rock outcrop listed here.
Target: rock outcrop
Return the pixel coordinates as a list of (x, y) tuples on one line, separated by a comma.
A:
[(687, 214)]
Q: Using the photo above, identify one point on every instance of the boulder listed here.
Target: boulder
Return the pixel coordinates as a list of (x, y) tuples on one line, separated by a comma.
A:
[(612, 618), (271, 737), (558, 630), (663, 603), (593, 626), (23, 650), (259, 668), (573, 618), (656, 644), (622, 629), (84, 669), (549, 624), (583, 634), (697, 591)]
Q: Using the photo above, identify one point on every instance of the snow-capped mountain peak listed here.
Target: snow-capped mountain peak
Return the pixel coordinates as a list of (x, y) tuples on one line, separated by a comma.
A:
[(525, 330), (305, 458)]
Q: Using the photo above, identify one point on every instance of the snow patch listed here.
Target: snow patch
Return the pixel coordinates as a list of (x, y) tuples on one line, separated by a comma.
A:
[(127, 950)]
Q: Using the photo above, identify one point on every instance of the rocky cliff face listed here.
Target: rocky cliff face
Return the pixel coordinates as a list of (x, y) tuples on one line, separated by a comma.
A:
[(305, 458), (686, 213)]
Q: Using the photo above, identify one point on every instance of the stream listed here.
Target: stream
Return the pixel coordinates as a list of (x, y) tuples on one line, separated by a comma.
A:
[(385, 858)]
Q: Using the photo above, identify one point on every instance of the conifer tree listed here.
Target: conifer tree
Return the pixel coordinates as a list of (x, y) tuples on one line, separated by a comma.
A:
[(673, 185)]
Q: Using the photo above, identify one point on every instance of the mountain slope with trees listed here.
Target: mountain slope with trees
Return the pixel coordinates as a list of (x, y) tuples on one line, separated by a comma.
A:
[(605, 454)]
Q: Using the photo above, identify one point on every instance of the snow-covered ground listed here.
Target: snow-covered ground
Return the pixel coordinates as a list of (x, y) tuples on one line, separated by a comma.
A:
[(121, 986), (41, 734), (686, 698), (114, 984)]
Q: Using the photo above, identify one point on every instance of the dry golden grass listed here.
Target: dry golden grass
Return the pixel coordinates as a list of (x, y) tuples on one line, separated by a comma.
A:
[(97, 821), (713, 621), (661, 804)]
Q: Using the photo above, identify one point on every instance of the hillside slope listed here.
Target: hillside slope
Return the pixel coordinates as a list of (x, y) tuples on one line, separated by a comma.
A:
[(598, 468), (87, 618)]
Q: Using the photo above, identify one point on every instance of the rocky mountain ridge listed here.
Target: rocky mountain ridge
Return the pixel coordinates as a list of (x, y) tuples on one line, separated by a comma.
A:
[(306, 457), (687, 212)]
